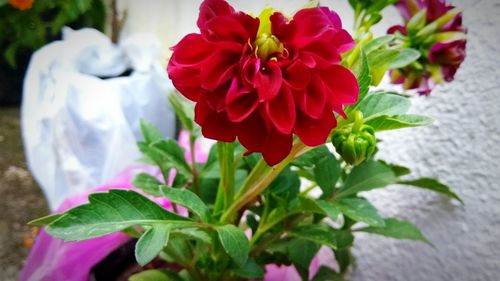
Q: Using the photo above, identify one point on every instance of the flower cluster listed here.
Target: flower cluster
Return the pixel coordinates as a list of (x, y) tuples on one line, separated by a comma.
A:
[(21, 4), (435, 29), (264, 79)]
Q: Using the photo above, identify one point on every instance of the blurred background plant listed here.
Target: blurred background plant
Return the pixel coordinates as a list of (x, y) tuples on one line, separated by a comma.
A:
[(26, 25)]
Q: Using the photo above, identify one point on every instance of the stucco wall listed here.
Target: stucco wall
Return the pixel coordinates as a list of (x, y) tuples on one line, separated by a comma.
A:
[(461, 148)]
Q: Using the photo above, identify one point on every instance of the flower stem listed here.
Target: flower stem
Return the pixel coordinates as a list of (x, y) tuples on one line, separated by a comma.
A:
[(258, 186), (225, 193), (192, 148)]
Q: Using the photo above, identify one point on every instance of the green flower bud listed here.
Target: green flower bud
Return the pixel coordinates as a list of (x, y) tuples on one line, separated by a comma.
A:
[(357, 143)]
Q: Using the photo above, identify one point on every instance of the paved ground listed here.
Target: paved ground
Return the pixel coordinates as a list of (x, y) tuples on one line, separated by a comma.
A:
[(20, 198)]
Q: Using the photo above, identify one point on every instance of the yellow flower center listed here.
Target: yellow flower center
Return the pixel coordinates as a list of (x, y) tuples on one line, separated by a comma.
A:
[(266, 44)]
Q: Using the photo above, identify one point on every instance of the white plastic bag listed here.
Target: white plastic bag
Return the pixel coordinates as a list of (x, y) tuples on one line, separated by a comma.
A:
[(80, 130)]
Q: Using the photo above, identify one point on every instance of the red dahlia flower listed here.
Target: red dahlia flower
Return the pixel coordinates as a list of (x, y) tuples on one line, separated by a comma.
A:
[(264, 79), (441, 39)]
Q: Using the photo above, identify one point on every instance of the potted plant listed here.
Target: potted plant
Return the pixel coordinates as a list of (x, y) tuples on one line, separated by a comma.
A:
[(288, 100)]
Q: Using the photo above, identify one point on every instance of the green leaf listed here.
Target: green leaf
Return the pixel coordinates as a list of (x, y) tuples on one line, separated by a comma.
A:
[(344, 238), (434, 185), (251, 270), (148, 184), (317, 233), (383, 103), (327, 274), (405, 57), (150, 132), (234, 242), (151, 243), (286, 185), (327, 172), (45, 220), (155, 275), (377, 43), (381, 58), (189, 200), (359, 209), (385, 123), (398, 170), (398, 229), (367, 176), (192, 233), (319, 207), (362, 71), (10, 54), (301, 252), (344, 259), (170, 152), (111, 212), (310, 158), (180, 111)]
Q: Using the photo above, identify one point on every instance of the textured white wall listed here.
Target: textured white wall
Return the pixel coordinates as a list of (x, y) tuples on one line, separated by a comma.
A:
[(461, 148)]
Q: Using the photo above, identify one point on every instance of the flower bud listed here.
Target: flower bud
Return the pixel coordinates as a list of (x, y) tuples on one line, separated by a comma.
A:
[(357, 143)]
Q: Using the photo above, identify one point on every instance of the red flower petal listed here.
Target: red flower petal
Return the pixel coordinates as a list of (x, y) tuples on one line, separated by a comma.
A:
[(268, 81), (297, 75), (277, 147), (341, 84), (217, 30), (214, 125), (186, 80), (216, 99), (312, 24), (219, 68), (312, 101), (210, 9), (323, 53), (252, 132), (240, 102), (343, 41), (281, 27), (313, 132), (191, 50), (281, 111)]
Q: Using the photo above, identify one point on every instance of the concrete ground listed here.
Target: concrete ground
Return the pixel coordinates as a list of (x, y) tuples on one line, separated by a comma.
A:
[(20, 198)]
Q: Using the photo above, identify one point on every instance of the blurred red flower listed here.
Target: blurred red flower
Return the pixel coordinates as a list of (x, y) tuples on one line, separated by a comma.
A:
[(264, 79), (21, 4)]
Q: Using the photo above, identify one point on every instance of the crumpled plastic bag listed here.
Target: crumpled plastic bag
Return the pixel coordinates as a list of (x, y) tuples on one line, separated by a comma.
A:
[(80, 130)]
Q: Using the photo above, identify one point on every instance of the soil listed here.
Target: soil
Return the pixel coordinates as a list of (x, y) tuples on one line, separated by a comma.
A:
[(21, 200)]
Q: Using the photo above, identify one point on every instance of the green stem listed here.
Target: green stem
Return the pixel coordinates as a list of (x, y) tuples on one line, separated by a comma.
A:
[(308, 189), (225, 193), (260, 169), (193, 271), (257, 187), (192, 148)]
